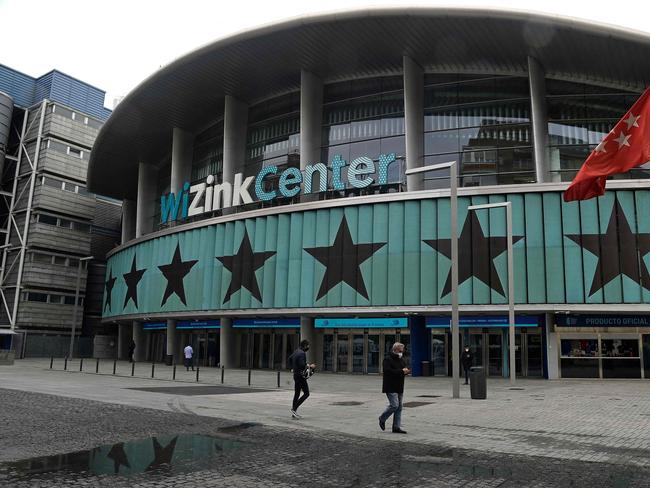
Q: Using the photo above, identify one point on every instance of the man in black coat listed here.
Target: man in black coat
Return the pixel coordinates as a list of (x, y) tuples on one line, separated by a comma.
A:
[(393, 386), (466, 359), (299, 366)]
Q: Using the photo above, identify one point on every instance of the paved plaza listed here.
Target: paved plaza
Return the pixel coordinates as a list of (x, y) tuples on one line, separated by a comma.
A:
[(552, 433)]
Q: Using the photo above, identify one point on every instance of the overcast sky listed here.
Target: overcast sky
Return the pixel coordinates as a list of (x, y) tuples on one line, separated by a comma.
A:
[(115, 44)]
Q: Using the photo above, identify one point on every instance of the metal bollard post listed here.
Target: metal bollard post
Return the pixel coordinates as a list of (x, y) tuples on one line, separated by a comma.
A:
[(223, 370), (249, 377), (153, 368), (51, 361), (114, 365), (174, 371), (81, 365), (197, 374), (65, 364), (133, 368), (278, 378), (97, 366)]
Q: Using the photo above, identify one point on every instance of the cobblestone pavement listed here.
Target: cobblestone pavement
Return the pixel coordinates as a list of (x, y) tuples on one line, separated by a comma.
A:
[(36, 424)]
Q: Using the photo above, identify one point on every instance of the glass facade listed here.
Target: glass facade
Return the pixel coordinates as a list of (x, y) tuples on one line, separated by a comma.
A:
[(484, 124), (365, 118), (579, 116), (273, 138), (207, 158)]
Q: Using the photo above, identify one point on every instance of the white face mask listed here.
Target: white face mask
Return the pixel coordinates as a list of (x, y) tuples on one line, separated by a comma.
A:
[(399, 354)]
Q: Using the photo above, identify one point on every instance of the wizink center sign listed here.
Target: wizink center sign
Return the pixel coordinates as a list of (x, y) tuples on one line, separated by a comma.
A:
[(209, 196)]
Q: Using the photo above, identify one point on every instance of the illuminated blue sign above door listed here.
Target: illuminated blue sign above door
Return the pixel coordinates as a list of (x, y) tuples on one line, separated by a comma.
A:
[(483, 321), (361, 323)]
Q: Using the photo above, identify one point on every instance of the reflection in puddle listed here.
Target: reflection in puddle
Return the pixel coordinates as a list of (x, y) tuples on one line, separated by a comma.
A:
[(125, 458)]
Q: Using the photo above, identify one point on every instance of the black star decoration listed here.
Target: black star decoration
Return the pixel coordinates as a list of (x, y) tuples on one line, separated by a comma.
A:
[(110, 283), (132, 278), (242, 267), (342, 260), (162, 455), (118, 456), (476, 254), (174, 273), (619, 251)]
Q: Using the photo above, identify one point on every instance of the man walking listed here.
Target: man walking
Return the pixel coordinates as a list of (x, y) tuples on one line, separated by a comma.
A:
[(188, 352), (466, 359), (301, 371), (131, 351), (393, 386)]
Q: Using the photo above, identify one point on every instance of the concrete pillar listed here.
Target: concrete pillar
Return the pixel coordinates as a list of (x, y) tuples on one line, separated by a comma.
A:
[(552, 353), (140, 352), (128, 220), (235, 120), (182, 151), (147, 198), (414, 121), (539, 124), (124, 338), (308, 332), (170, 351), (311, 118), (227, 344)]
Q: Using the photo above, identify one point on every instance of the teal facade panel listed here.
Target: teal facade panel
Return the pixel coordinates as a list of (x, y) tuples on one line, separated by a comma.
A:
[(393, 254)]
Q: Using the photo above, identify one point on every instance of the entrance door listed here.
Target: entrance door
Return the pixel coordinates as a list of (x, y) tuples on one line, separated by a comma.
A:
[(277, 351), (328, 352), (342, 353), (476, 348), (534, 354), (357, 353), (373, 353), (266, 351), (495, 354), (439, 354)]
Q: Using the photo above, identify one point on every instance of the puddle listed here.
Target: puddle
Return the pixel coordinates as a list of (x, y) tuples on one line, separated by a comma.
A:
[(346, 404), (162, 453)]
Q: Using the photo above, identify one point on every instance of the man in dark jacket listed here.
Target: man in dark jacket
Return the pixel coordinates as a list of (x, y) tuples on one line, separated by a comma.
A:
[(466, 359), (393, 386), (298, 364)]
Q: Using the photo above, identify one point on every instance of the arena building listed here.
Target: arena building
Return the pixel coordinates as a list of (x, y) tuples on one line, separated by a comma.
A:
[(266, 199)]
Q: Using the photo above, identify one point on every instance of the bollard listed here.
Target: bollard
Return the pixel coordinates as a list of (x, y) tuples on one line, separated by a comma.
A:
[(97, 366), (114, 365), (153, 368), (223, 370), (133, 368), (174, 371), (51, 361), (278, 378), (65, 364), (249, 377), (81, 365), (197, 374)]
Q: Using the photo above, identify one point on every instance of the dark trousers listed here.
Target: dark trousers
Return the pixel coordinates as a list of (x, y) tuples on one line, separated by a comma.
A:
[(466, 369), (300, 384), (189, 364)]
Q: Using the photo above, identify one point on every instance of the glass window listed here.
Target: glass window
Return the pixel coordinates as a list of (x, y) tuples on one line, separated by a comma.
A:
[(620, 348), (47, 219), (56, 299), (65, 223), (37, 297), (60, 260), (42, 258), (78, 226), (579, 348)]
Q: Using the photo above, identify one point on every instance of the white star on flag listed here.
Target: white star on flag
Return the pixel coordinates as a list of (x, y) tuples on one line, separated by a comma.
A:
[(631, 121), (622, 140), (601, 147)]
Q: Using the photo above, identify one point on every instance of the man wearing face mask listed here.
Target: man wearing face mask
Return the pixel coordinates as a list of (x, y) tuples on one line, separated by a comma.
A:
[(301, 371), (395, 371)]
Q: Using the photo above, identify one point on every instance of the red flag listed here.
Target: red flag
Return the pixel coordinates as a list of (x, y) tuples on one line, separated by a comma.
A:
[(627, 145)]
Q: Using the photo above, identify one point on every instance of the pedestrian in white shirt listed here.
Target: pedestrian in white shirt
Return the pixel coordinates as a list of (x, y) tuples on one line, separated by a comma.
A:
[(188, 352)]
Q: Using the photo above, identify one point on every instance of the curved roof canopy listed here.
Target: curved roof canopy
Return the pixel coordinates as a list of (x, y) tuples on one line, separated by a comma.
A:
[(189, 92)]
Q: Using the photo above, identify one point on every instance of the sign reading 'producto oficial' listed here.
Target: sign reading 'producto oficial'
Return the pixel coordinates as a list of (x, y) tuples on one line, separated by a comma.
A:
[(210, 196)]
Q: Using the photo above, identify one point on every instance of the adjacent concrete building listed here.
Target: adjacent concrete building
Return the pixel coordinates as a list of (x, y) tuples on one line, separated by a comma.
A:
[(54, 232)]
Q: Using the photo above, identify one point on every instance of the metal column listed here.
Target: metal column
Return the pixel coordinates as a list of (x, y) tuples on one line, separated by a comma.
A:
[(414, 121), (539, 119)]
